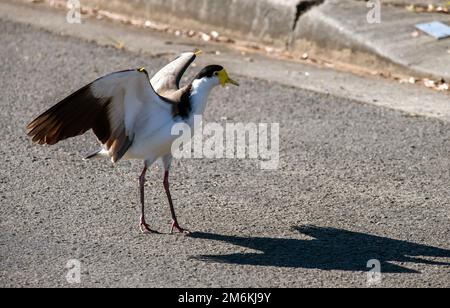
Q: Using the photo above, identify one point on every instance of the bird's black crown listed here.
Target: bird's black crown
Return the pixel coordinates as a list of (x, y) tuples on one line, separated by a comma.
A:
[(209, 71)]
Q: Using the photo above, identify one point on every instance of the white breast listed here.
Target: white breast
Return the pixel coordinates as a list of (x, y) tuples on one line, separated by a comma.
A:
[(155, 138)]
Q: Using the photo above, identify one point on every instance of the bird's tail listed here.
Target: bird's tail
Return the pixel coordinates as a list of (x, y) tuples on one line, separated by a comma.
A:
[(97, 154)]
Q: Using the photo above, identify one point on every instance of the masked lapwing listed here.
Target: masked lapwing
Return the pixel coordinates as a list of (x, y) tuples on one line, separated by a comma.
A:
[(133, 117)]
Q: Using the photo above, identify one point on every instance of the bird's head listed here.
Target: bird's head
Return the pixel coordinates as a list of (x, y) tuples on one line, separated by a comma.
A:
[(216, 75)]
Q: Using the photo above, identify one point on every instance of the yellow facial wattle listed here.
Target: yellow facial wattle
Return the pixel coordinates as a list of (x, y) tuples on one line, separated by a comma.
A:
[(225, 79)]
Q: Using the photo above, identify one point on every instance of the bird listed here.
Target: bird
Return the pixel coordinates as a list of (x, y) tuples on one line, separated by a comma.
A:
[(132, 116)]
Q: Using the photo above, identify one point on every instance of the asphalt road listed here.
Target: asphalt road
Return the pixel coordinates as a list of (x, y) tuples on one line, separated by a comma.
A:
[(355, 183)]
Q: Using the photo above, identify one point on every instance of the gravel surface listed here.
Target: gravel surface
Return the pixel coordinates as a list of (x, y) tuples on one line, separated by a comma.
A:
[(356, 182)]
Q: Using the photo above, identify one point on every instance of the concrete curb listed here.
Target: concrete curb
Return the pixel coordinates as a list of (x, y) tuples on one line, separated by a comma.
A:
[(331, 25), (342, 24), (267, 21)]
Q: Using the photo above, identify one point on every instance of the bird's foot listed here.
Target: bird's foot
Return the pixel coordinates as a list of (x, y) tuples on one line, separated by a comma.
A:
[(145, 228), (177, 227)]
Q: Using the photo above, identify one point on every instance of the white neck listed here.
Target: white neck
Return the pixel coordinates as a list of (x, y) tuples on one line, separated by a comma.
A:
[(201, 88)]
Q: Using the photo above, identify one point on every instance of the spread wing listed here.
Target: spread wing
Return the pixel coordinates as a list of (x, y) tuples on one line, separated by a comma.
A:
[(110, 106), (167, 80)]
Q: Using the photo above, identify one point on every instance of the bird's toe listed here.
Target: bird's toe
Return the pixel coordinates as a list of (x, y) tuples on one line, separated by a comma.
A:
[(145, 229)]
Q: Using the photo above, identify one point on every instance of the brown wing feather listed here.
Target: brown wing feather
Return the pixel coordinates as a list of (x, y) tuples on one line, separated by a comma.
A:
[(71, 117), (74, 116)]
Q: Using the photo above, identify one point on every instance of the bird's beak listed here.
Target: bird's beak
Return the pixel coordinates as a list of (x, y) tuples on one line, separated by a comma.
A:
[(233, 82), (225, 79)]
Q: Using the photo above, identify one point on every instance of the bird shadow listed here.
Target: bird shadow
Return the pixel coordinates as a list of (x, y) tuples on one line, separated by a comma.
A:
[(330, 249)]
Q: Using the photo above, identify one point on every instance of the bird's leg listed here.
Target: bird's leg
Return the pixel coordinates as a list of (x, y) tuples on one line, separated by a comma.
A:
[(175, 224), (145, 228)]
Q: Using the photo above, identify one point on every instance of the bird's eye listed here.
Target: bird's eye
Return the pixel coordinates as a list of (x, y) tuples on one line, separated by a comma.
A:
[(216, 74)]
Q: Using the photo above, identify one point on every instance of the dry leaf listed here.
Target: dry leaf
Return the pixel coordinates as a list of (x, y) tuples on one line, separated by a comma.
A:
[(443, 87), (215, 35), (429, 83), (205, 37)]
